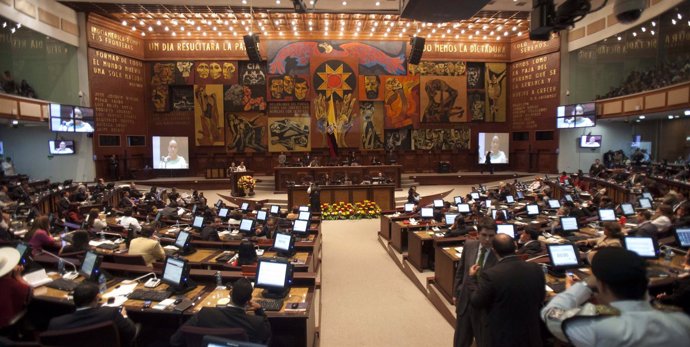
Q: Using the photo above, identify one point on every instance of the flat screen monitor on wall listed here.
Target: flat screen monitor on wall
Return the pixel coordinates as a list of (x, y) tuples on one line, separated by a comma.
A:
[(170, 152), (61, 147), (590, 141), (576, 116), (71, 119), (497, 143)]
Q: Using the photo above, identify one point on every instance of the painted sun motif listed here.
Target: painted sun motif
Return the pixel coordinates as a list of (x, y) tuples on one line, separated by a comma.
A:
[(334, 81)]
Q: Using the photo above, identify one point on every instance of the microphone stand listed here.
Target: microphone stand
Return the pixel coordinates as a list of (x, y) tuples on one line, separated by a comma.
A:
[(140, 278), (69, 275)]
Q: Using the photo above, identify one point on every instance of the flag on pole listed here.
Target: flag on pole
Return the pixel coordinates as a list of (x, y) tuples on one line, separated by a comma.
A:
[(330, 130)]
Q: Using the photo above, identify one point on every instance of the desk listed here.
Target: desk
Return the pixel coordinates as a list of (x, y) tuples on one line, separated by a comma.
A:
[(446, 264), (234, 176), (356, 174), (386, 223), (289, 328), (422, 244), (381, 194), (400, 230)]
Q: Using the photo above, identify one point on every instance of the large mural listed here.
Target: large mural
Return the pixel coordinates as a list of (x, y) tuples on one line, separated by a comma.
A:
[(208, 115), (245, 132), (441, 139)]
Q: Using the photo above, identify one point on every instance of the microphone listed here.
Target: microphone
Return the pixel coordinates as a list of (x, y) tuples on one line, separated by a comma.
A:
[(69, 275), (140, 278)]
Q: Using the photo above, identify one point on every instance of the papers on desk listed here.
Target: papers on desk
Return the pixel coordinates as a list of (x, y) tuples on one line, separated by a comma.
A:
[(37, 278), (413, 221), (171, 248), (96, 243), (164, 304), (122, 290), (458, 251)]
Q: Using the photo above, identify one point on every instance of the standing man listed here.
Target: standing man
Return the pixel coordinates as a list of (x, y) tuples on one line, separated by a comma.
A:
[(623, 317), (511, 293), (314, 197), (596, 169), (467, 325), (487, 163)]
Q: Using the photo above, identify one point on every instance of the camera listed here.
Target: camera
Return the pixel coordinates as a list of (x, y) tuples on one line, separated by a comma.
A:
[(628, 11)]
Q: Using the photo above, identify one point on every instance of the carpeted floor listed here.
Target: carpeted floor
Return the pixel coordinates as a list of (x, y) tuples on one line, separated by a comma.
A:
[(367, 300)]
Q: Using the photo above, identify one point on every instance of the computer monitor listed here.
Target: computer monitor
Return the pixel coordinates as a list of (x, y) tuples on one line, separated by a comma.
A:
[(568, 197), (457, 200), (198, 222), (90, 267), (261, 215), (219, 203), (520, 195), (627, 209), (24, 252), (532, 210), (450, 218), (409, 207), (508, 229), (223, 213), (607, 215), (213, 341), (464, 208), (487, 203), (300, 227), (645, 247), (182, 239), (566, 182), (176, 274), (554, 204), (274, 275), (645, 203), (427, 212), (284, 244), (474, 195), (563, 256), (244, 207), (683, 237), (246, 225), (647, 195), (510, 199), (438, 203), (304, 208), (194, 208), (569, 224), (497, 212), (275, 209), (304, 215)]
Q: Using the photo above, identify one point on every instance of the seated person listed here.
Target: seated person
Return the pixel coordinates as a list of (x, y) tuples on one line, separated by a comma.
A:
[(95, 223), (81, 194), (80, 243), (613, 237), (662, 218), (458, 228), (644, 225), (412, 196), (680, 296), (529, 241), (128, 221), (210, 231), (99, 188), (234, 315), (39, 236), (174, 195), (63, 204), (134, 192), (170, 211), (15, 293), (147, 246), (241, 167), (73, 215), (126, 201), (86, 299), (246, 254)]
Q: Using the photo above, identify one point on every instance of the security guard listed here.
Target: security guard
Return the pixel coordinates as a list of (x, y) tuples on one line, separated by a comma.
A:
[(625, 317)]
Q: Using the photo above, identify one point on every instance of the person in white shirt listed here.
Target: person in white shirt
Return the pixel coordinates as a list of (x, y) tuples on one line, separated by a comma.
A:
[(662, 218), (127, 220), (78, 125), (172, 160), (8, 167), (241, 167)]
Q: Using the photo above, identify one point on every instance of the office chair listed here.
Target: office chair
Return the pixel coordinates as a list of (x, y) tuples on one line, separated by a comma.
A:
[(129, 259), (103, 334), (193, 335)]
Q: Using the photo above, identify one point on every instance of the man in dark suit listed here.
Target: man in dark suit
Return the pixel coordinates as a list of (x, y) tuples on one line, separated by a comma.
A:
[(210, 232), (467, 326), (511, 294), (63, 203), (86, 299), (645, 227), (529, 240), (233, 316)]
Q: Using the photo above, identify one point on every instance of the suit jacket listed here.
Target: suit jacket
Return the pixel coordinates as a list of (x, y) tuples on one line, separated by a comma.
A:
[(646, 229), (531, 248), (150, 249), (463, 284), (257, 326), (511, 293), (82, 318)]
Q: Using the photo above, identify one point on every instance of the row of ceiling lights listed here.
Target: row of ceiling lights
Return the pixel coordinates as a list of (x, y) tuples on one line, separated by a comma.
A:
[(652, 30)]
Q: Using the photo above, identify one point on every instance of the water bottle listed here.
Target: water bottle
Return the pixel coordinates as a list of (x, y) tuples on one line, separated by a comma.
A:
[(545, 269), (668, 254), (61, 266), (102, 286), (219, 279)]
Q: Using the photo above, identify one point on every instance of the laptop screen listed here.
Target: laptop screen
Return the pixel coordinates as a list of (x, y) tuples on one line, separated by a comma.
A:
[(683, 236), (643, 246), (508, 229), (409, 207), (645, 203), (563, 255), (474, 195), (457, 200), (569, 223), (464, 208), (427, 212), (510, 199), (450, 218), (532, 210), (607, 215), (554, 204), (627, 209)]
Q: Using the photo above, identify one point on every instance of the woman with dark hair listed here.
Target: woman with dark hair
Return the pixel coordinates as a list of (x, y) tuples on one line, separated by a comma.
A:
[(95, 223), (39, 235), (80, 243), (662, 219), (246, 254), (613, 237)]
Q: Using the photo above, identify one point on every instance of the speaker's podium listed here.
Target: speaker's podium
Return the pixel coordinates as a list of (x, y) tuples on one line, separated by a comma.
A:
[(234, 176)]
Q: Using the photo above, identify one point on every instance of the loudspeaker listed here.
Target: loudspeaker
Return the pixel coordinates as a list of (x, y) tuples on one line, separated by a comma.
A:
[(416, 50), (251, 45)]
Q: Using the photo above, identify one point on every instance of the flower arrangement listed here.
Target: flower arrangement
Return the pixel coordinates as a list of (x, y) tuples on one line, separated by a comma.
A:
[(246, 182), (345, 210)]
